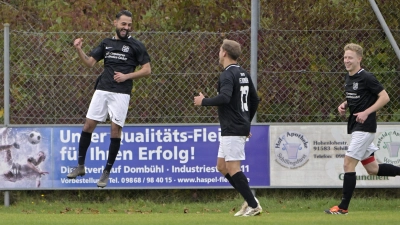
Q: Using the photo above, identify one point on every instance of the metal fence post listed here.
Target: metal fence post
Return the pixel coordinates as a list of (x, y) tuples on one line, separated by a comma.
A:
[(6, 90), (385, 27), (255, 17), (6, 74), (6, 198)]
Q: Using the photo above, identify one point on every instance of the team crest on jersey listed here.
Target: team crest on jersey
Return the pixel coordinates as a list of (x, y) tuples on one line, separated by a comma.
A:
[(125, 48), (355, 86)]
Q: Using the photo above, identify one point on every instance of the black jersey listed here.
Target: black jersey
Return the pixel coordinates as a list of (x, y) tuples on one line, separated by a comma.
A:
[(120, 55), (237, 101), (362, 91)]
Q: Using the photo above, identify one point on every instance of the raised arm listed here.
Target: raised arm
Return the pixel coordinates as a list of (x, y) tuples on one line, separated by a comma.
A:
[(87, 61)]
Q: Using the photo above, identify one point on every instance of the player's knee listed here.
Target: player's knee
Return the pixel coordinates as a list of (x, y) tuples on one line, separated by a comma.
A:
[(89, 125), (348, 168), (222, 169)]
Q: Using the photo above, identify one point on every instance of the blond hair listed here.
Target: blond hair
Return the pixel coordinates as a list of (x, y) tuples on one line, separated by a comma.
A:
[(355, 48), (232, 48)]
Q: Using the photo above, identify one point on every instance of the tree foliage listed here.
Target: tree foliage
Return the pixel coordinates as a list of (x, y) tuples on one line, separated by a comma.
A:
[(148, 15)]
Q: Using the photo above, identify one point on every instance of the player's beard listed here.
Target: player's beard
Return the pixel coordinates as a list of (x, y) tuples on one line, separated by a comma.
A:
[(119, 34)]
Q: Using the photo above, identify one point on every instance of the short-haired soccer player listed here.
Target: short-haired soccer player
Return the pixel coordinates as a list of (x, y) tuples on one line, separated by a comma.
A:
[(121, 54), (237, 103), (364, 96)]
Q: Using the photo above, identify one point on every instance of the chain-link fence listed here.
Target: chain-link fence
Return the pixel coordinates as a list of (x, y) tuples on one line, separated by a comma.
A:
[(300, 67), (49, 84)]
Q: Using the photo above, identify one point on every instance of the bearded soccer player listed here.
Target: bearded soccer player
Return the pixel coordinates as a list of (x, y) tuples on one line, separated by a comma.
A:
[(121, 54), (237, 103), (364, 96)]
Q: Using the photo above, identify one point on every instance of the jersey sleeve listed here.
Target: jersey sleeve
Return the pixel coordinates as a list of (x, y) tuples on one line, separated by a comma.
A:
[(254, 100), (374, 85), (98, 52), (227, 83), (141, 55), (225, 92)]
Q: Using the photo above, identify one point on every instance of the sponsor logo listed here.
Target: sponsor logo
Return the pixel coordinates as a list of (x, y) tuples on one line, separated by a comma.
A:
[(355, 86), (125, 48), (291, 149), (389, 147), (366, 177)]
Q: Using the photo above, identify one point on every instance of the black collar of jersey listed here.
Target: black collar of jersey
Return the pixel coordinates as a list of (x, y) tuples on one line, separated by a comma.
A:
[(121, 39), (230, 65), (362, 69)]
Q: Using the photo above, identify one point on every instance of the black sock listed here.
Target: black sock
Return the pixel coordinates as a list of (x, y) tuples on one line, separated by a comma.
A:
[(349, 184), (84, 142), (388, 170), (242, 185), (229, 178), (112, 152)]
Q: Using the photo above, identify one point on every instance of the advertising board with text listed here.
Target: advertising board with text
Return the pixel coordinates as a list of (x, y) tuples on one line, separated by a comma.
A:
[(313, 156), (149, 157)]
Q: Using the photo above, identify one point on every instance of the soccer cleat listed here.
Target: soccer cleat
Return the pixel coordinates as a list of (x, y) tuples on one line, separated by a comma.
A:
[(103, 179), (242, 209), (78, 171), (253, 211), (336, 210)]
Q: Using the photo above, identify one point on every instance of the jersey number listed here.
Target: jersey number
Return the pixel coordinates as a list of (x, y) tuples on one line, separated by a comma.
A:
[(244, 91)]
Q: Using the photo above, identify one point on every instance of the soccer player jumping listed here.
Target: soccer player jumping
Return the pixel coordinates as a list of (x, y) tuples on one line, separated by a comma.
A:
[(122, 54)]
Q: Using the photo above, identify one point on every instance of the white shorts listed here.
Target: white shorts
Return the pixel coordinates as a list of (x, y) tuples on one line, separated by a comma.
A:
[(232, 148), (115, 104), (361, 145)]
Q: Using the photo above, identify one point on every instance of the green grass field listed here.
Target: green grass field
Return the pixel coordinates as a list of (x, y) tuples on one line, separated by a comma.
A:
[(113, 207), (298, 218)]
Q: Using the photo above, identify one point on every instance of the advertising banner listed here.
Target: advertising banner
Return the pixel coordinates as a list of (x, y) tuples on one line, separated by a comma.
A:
[(149, 157), (313, 156), (25, 158)]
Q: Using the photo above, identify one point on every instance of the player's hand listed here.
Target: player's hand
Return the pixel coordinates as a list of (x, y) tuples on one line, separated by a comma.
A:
[(78, 43), (361, 117), (198, 99), (120, 77), (249, 136), (342, 109)]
